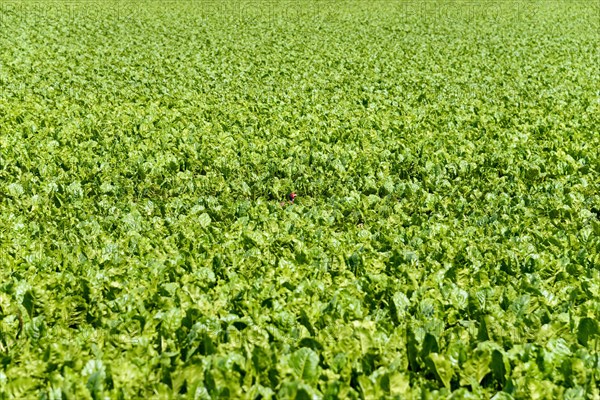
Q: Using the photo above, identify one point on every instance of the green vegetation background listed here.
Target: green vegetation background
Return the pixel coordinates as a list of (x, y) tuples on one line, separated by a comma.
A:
[(445, 238)]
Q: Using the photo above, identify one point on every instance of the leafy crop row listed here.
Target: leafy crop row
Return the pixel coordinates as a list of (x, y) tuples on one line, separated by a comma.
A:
[(445, 240)]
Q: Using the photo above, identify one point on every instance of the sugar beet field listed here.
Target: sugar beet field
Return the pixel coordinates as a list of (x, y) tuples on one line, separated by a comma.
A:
[(444, 241)]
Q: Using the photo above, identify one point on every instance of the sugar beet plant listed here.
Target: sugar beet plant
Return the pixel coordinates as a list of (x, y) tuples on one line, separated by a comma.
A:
[(445, 236)]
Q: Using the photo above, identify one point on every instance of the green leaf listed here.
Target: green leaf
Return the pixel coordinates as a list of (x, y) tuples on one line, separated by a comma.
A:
[(399, 384), (500, 367), (29, 303), (587, 328), (442, 367), (475, 368), (305, 363), (204, 220), (430, 345)]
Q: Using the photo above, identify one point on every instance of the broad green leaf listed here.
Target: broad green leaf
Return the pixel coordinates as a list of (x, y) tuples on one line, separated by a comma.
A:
[(475, 368), (399, 384), (587, 329), (305, 363), (442, 368), (204, 220)]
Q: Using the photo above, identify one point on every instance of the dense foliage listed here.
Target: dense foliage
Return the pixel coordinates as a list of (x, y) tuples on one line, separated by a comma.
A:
[(445, 239)]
